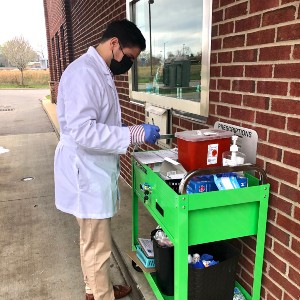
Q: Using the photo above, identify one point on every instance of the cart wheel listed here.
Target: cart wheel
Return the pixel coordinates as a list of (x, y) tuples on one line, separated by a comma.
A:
[(136, 267)]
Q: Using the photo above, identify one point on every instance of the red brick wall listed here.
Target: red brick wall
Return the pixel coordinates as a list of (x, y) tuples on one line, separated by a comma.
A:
[(255, 83), (255, 74), (90, 18), (54, 19)]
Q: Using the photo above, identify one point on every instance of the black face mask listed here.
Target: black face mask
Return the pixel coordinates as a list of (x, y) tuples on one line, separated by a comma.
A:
[(120, 67)]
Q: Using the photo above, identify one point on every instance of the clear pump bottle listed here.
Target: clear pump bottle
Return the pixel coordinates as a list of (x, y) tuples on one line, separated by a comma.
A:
[(233, 157)]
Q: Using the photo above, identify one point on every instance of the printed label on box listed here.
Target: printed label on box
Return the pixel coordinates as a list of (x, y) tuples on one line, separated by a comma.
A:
[(212, 154)]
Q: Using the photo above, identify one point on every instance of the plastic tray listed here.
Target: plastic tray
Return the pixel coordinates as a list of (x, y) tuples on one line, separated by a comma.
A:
[(147, 262)]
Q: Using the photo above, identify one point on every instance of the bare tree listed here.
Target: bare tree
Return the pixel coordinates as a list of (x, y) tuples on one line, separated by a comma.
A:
[(19, 53)]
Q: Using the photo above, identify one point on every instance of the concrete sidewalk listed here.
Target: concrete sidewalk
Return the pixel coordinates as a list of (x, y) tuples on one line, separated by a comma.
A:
[(39, 253)]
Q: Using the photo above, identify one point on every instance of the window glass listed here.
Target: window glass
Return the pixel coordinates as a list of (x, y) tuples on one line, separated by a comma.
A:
[(171, 64)]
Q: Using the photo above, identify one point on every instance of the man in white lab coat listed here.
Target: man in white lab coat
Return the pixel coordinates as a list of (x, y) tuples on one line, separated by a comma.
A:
[(86, 166)]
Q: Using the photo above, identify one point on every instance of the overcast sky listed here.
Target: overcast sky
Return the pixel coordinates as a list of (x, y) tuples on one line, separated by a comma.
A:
[(184, 31), (23, 18)]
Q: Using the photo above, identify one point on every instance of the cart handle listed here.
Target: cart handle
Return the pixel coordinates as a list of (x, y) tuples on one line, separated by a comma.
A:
[(218, 170)]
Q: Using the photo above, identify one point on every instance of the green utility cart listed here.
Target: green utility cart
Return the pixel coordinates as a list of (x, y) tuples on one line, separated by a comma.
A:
[(221, 215)]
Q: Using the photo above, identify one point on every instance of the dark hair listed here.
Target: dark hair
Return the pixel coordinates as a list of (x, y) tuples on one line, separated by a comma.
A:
[(127, 32)]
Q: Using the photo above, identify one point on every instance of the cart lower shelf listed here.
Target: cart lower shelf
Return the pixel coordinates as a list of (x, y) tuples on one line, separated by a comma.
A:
[(151, 278)]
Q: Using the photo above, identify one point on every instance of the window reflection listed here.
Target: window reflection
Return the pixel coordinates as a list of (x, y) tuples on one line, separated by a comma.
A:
[(171, 64)]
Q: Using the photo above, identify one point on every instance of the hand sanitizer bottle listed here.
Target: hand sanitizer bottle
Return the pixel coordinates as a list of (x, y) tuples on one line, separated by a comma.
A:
[(233, 157)]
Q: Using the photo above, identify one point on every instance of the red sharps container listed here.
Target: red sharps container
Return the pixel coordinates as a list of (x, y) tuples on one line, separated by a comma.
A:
[(199, 149)]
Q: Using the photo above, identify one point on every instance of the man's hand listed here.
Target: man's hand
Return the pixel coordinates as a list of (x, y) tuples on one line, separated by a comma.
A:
[(151, 133)]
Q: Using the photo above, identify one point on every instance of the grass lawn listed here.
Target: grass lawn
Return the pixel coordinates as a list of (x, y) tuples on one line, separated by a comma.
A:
[(18, 86), (33, 79)]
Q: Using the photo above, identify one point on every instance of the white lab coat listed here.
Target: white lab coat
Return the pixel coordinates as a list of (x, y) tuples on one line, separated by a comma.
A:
[(86, 166)]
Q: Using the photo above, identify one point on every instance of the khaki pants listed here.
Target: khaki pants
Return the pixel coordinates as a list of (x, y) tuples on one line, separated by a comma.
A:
[(95, 250)]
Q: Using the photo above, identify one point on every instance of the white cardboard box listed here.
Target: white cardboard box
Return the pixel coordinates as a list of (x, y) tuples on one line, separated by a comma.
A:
[(171, 169)]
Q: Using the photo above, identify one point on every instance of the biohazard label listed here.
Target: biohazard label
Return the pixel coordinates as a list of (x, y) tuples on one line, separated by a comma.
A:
[(212, 154)]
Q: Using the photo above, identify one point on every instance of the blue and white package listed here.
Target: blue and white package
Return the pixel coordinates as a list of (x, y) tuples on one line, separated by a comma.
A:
[(201, 184), (242, 180), (209, 183), (229, 181), (237, 294)]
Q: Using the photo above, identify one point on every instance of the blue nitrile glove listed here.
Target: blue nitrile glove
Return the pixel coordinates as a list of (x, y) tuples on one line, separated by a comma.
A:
[(213, 262), (206, 257), (198, 265), (151, 133)]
